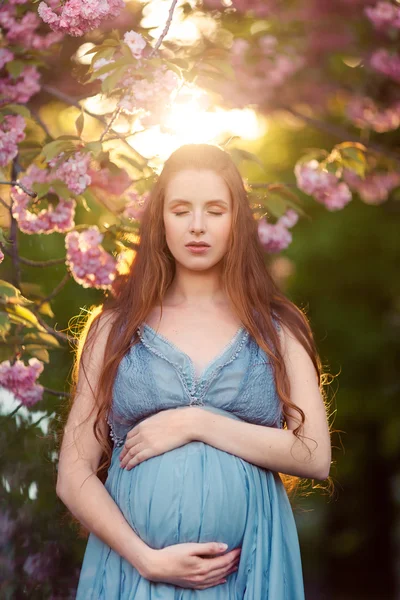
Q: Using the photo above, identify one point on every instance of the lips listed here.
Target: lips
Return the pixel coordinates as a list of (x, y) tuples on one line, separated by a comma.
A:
[(200, 245)]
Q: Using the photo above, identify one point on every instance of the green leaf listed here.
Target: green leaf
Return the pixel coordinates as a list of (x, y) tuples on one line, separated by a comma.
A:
[(87, 197), (79, 123), (131, 161), (61, 188), (3, 240), (15, 67), (41, 189), (22, 315), (111, 82), (173, 67), (116, 64), (94, 148), (4, 325), (9, 291), (239, 155), (39, 337), (19, 109), (38, 352), (54, 148), (68, 137), (103, 53)]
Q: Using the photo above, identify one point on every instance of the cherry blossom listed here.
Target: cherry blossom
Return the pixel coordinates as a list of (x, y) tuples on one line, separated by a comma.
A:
[(22, 88), (77, 17), (322, 185), (6, 56), (89, 263), (23, 31), (136, 43), (59, 218), (277, 237), (375, 187), (1, 256), (364, 113), (73, 171), (386, 63), (11, 133), (135, 206), (384, 15), (104, 179), (20, 379)]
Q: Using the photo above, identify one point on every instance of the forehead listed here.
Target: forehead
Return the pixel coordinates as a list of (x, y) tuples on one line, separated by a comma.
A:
[(197, 185)]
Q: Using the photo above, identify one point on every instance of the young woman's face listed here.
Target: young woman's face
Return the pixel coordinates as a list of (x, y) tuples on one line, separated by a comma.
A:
[(197, 208)]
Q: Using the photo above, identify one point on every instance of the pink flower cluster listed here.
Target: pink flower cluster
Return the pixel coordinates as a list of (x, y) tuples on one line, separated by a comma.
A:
[(364, 113), (73, 171), (59, 218), (23, 87), (148, 95), (386, 63), (375, 187), (277, 237), (20, 379), (1, 256), (112, 183), (269, 68), (136, 43), (384, 15), (89, 263), (11, 133), (77, 17), (136, 205), (23, 31), (322, 185)]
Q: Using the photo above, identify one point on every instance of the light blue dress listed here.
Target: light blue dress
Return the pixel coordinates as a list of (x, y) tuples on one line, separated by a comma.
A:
[(197, 493)]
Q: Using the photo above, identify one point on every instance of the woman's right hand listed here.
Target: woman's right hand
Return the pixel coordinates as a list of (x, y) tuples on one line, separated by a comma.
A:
[(191, 565)]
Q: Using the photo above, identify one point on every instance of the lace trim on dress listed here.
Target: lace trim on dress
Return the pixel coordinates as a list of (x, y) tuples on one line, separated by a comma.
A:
[(118, 441)]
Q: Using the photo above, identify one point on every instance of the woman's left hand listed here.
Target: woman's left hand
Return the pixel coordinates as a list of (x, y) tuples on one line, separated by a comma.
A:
[(164, 431)]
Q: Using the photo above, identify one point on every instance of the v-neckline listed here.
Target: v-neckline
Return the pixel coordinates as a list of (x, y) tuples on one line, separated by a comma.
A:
[(197, 376)]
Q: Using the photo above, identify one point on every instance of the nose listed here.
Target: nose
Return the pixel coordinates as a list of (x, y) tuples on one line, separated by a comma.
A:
[(197, 224)]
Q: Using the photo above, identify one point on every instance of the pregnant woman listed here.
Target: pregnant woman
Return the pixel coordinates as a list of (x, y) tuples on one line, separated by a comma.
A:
[(195, 385)]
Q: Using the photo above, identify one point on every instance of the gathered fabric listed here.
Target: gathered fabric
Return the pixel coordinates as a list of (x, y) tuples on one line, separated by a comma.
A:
[(197, 493)]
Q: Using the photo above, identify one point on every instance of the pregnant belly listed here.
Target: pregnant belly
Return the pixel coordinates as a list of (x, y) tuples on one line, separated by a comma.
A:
[(194, 493)]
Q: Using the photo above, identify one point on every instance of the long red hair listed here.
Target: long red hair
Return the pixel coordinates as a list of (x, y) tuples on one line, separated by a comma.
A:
[(245, 278)]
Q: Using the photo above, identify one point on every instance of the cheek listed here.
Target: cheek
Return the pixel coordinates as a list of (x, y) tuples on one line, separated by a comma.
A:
[(222, 230), (174, 230)]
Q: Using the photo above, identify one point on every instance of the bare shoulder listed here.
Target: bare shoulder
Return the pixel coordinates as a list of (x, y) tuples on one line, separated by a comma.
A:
[(100, 329)]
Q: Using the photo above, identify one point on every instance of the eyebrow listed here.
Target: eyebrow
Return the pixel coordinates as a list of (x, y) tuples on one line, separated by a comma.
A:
[(182, 201)]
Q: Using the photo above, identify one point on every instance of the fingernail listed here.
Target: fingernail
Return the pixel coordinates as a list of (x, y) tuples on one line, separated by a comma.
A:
[(223, 546)]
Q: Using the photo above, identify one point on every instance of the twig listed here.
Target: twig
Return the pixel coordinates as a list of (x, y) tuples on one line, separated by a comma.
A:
[(166, 28), (56, 290), (21, 185), (56, 393), (68, 100), (340, 132), (41, 122), (108, 127), (16, 274), (35, 263)]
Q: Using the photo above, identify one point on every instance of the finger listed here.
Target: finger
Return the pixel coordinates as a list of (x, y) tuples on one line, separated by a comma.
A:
[(130, 441), (221, 572), (130, 453), (208, 585), (139, 458)]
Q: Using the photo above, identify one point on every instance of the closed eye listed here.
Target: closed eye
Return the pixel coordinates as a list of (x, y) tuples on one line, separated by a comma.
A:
[(211, 212)]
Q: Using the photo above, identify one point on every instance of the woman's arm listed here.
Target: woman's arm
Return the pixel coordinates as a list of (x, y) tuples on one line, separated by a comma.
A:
[(77, 485), (269, 447)]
